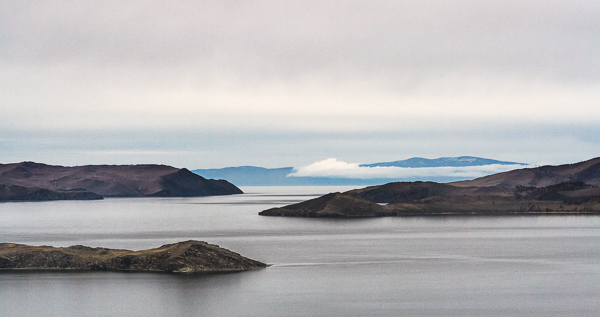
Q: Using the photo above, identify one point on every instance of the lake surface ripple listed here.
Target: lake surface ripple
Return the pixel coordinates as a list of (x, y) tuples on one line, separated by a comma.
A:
[(480, 266)]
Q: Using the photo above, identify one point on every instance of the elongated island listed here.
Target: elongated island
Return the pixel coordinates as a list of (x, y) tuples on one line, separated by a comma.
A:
[(183, 257)]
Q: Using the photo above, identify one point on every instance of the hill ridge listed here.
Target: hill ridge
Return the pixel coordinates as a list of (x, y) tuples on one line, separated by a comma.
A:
[(143, 180), (586, 171)]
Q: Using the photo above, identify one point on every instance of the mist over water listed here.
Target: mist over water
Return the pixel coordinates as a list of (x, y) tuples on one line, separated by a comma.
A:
[(534, 266)]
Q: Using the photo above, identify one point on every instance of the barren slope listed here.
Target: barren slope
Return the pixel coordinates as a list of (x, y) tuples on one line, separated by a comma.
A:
[(586, 172), (114, 180)]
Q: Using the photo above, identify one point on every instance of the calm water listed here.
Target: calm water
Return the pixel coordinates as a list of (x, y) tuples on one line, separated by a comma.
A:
[(519, 266)]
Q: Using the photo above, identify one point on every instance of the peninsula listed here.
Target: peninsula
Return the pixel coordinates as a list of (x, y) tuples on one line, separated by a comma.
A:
[(36, 181), (183, 257), (556, 190)]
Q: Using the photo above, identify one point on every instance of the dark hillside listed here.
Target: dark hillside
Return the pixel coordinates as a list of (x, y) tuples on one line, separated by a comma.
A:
[(586, 172), (114, 180)]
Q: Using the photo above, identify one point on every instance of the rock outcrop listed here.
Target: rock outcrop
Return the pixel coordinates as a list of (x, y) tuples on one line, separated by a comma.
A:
[(109, 181), (183, 257)]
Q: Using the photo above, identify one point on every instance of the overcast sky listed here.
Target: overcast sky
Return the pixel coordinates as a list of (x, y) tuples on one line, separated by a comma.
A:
[(204, 84)]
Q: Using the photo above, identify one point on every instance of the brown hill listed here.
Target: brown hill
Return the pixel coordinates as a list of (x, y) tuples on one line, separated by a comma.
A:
[(571, 192), (489, 206), (183, 257), (340, 205), (330, 205), (410, 191), (587, 172), (114, 180)]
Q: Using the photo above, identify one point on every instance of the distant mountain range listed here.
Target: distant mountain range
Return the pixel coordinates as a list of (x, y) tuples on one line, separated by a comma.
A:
[(260, 176)]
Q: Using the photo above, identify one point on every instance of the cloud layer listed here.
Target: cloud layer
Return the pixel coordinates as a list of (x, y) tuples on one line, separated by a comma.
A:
[(332, 167), (436, 78), (299, 65)]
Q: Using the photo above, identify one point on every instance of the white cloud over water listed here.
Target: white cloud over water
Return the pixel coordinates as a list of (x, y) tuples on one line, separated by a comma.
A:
[(332, 167)]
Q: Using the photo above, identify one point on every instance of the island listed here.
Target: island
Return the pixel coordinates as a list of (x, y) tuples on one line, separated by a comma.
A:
[(550, 190), (30, 181), (183, 257)]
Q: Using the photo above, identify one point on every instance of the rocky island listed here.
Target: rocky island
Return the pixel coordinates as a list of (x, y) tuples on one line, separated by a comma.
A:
[(183, 257), (556, 190), (35, 181)]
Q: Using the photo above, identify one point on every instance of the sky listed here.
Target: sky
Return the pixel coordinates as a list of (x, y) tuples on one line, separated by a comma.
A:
[(210, 84)]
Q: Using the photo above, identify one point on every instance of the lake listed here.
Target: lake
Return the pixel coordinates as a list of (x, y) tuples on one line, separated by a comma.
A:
[(455, 266)]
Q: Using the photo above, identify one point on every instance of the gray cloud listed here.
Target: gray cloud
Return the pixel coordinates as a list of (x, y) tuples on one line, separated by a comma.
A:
[(362, 79), (268, 38)]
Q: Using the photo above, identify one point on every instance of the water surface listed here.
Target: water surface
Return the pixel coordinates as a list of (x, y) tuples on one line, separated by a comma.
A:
[(502, 266)]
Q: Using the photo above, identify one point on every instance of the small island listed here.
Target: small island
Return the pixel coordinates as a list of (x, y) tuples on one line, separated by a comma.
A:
[(183, 257), (548, 190)]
